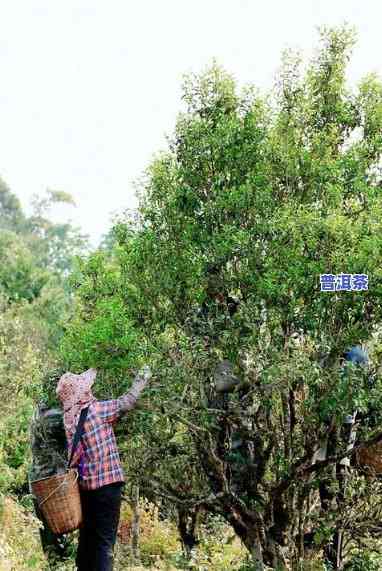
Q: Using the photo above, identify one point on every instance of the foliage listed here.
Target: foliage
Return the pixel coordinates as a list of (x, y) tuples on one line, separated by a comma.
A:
[(364, 561), (20, 548), (55, 244), (22, 352), (35, 255), (160, 547), (11, 214), (20, 278)]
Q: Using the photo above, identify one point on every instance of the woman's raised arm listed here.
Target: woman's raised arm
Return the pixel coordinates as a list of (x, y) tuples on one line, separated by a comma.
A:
[(129, 400)]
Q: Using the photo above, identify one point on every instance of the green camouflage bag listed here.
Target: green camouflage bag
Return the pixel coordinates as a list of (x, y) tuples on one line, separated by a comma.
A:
[(48, 443)]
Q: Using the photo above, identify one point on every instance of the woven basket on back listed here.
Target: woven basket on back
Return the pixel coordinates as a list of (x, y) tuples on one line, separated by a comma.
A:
[(370, 458), (59, 500)]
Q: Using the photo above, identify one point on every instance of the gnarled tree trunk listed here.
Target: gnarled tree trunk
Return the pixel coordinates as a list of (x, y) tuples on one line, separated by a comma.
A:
[(187, 526), (135, 553)]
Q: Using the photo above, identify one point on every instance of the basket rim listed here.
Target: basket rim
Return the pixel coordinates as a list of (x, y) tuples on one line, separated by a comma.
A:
[(54, 476)]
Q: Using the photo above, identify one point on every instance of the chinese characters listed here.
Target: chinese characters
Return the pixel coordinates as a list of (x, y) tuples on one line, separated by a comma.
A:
[(344, 282)]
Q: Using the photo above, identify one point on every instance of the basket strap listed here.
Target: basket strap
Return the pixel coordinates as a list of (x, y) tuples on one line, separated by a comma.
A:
[(79, 432), (56, 489)]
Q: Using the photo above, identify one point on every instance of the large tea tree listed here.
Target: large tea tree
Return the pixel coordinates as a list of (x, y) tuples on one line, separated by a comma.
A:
[(219, 275)]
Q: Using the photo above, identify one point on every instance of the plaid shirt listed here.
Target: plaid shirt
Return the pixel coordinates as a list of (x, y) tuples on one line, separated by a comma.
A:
[(97, 454)]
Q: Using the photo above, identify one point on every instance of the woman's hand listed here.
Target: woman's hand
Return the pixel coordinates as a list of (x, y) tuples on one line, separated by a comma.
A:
[(145, 373), (130, 399)]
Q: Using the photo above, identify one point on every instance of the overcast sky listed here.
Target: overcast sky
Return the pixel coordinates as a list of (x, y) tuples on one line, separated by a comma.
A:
[(89, 88)]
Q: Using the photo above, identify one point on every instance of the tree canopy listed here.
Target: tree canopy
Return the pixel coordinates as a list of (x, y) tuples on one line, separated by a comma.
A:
[(254, 199)]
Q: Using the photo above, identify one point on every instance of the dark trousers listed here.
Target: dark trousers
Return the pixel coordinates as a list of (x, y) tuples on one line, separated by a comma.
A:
[(101, 510)]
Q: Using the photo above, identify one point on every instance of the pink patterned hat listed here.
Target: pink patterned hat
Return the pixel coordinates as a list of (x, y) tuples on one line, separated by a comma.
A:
[(75, 393)]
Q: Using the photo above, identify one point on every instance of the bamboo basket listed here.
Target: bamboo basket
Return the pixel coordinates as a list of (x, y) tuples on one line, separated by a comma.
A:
[(370, 458), (59, 500)]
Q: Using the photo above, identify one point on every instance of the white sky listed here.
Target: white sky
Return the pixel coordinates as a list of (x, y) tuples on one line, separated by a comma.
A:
[(89, 88)]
